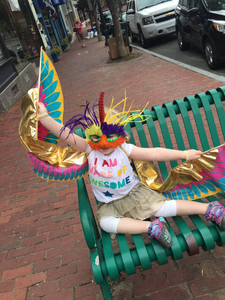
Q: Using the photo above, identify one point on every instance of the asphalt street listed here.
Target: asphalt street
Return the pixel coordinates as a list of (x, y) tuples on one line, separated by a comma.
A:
[(167, 46)]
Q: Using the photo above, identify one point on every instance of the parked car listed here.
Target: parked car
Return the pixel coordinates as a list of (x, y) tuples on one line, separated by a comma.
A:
[(202, 23), (109, 21), (149, 19)]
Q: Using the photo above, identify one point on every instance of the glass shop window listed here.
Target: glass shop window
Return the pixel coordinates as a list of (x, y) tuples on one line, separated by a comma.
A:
[(18, 32)]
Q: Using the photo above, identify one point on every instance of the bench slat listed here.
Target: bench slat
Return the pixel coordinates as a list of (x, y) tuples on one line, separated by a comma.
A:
[(109, 256), (125, 254), (155, 142), (164, 130), (198, 121), (210, 119), (174, 121), (187, 123), (219, 107), (142, 252)]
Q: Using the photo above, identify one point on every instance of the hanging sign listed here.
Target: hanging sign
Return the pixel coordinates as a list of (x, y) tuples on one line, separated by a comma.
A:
[(47, 5), (14, 5), (58, 2)]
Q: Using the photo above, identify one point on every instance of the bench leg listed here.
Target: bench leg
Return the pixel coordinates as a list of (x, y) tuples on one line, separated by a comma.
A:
[(100, 278), (106, 291)]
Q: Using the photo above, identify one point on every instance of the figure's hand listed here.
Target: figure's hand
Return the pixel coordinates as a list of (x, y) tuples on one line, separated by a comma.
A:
[(41, 109), (194, 154)]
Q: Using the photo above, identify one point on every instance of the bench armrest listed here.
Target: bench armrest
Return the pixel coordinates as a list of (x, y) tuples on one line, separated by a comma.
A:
[(88, 222)]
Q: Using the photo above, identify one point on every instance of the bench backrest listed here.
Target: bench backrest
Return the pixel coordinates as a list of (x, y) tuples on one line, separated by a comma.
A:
[(197, 122)]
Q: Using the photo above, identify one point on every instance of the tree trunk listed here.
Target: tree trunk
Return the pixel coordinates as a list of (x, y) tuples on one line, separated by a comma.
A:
[(95, 14), (112, 5)]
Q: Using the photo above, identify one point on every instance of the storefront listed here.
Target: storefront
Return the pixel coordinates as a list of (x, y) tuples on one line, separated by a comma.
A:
[(50, 17), (19, 33), (25, 26), (20, 45)]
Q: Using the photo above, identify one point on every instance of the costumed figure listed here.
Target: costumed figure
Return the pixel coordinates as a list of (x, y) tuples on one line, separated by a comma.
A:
[(127, 198)]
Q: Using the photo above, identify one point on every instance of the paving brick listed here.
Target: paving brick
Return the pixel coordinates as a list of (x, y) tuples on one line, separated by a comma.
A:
[(51, 213), (206, 298), (30, 280), (180, 292), (35, 240), (49, 228), (29, 219), (25, 260), (60, 233), (48, 245), (86, 290), (77, 279), (19, 272), (83, 265), (21, 252), (207, 285), (16, 295), (60, 251), (47, 264), (72, 237), (150, 284), (66, 216), (12, 211), (75, 256), (219, 295), (6, 286), (13, 245), (4, 220), (43, 289), (62, 294), (184, 275), (61, 272)]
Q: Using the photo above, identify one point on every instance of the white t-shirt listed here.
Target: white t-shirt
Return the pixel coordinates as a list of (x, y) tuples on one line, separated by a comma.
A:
[(111, 176)]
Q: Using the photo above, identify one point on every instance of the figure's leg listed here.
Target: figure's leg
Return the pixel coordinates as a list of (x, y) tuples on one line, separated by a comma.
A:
[(157, 228), (216, 213), (79, 38), (83, 39), (213, 211)]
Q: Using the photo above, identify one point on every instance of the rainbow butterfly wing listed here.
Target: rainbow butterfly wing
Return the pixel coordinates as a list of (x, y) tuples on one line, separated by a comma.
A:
[(211, 183), (50, 94), (45, 170)]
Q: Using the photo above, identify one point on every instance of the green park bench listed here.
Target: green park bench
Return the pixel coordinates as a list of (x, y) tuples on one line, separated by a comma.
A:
[(197, 122)]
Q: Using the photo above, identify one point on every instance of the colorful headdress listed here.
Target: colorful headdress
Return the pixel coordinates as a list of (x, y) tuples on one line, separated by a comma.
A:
[(107, 130)]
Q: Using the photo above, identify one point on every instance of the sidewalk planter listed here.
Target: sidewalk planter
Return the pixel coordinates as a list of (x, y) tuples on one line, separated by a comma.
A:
[(55, 53), (63, 48), (64, 44), (55, 57), (70, 36)]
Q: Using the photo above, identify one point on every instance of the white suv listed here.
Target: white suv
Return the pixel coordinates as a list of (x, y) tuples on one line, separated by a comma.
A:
[(150, 18)]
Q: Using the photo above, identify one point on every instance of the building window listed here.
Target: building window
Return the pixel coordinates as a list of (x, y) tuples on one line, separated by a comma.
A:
[(18, 32)]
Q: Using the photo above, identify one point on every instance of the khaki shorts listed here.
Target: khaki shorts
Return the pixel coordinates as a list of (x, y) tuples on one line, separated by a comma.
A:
[(80, 36), (140, 203)]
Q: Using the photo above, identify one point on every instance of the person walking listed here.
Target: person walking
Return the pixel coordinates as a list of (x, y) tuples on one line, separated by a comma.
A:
[(77, 27)]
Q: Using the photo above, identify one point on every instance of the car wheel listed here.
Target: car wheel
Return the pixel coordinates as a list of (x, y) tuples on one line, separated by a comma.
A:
[(210, 55), (142, 39), (182, 44), (133, 38)]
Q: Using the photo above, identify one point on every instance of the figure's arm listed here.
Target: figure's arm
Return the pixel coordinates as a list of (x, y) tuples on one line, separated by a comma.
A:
[(163, 154), (71, 139)]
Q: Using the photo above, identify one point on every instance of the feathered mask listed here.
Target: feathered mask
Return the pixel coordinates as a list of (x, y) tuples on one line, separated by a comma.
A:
[(107, 130)]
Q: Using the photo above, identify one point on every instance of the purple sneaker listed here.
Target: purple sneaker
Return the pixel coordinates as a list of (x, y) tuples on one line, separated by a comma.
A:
[(159, 230), (216, 213)]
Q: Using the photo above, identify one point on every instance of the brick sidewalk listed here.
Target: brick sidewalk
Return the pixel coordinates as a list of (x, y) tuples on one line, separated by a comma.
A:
[(42, 248)]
